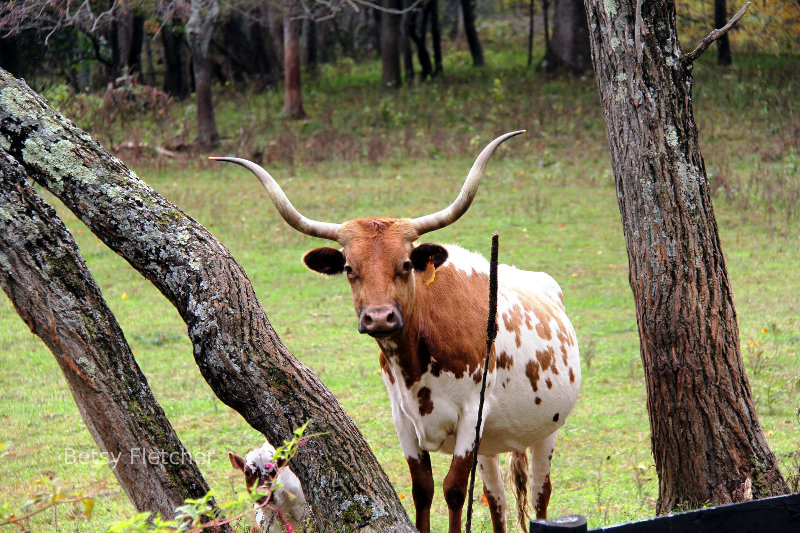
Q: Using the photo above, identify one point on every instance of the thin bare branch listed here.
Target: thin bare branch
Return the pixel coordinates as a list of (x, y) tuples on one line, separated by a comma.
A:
[(714, 35)]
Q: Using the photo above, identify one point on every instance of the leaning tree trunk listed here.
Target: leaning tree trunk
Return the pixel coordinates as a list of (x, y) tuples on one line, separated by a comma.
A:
[(46, 279), (293, 96), (199, 30), (707, 442), (569, 47), (235, 347)]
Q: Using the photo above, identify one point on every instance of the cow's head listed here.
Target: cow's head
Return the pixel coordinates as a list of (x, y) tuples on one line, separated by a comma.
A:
[(378, 255)]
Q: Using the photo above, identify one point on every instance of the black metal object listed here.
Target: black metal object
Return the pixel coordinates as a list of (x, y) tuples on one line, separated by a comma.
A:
[(491, 333), (780, 514)]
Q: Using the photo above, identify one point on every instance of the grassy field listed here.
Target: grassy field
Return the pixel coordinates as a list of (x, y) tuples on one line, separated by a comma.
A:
[(549, 194)]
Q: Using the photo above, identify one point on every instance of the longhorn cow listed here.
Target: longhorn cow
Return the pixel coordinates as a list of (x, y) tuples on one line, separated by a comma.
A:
[(426, 305)]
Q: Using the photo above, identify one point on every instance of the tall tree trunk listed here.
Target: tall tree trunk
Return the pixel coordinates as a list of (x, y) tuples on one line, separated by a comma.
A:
[(723, 43), (417, 26), (390, 47), (707, 442), (54, 293), (432, 11), (569, 47), (530, 32), (199, 30), (405, 46), (292, 93), (134, 59), (235, 347), (312, 48), (176, 78), (468, 9)]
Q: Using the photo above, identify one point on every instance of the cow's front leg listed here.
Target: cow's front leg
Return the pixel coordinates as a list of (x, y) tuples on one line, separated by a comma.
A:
[(419, 461), (455, 488), (421, 489)]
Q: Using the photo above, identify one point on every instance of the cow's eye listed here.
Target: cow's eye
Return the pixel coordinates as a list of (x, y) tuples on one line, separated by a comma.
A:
[(407, 265), (348, 270)]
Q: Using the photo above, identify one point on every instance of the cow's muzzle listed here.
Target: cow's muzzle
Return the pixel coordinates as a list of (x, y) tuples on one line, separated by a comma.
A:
[(380, 320)]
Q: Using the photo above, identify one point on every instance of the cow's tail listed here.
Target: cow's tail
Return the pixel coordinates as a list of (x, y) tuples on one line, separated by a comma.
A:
[(519, 471)]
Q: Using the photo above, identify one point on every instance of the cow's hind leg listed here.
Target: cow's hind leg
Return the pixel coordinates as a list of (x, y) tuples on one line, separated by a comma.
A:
[(494, 491), (541, 456)]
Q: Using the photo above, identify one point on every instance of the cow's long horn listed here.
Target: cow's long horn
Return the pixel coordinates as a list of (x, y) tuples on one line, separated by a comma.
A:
[(447, 216), (324, 230)]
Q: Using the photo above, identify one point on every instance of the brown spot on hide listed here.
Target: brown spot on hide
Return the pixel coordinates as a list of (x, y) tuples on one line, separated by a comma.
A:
[(537, 400), (436, 369), (543, 499), (532, 371), (504, 361), (513, 322), (571, 376), (477, 377), (425, 403), (549, 383), (561, 298), (564, 355), (386, 366), (555, 417), (547, 360)]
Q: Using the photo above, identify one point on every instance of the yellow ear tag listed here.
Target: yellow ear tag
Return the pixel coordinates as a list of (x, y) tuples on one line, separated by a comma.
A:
[(430, 272)]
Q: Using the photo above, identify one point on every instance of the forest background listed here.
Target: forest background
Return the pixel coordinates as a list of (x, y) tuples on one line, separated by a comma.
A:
[(361, 143)]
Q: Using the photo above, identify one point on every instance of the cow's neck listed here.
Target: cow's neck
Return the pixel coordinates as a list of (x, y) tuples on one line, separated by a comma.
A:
[(445, 329)]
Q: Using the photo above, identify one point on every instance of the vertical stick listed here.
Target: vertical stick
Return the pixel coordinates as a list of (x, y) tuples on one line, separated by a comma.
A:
[(491, 333)]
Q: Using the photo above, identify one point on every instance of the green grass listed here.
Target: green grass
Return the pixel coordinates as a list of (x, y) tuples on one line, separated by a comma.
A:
[(549, 194)]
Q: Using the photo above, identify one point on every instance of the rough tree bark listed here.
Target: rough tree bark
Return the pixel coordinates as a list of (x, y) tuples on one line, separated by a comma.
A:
[(707, 442), (235, 347), (43, 274), (569, 46), (199, 30), (292, 95)]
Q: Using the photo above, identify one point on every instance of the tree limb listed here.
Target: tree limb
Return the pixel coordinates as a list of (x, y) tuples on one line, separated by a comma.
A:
[(714, 35)]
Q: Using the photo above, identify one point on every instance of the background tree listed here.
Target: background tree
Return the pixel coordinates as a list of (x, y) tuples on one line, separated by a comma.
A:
[(723, 43), (390, 44), (292, 24), (199, 31), (473, 41), (707, 442), (569, 47)]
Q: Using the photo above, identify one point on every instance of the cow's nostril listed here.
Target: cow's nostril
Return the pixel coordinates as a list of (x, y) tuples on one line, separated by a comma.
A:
[(390, 318), (367, 320)]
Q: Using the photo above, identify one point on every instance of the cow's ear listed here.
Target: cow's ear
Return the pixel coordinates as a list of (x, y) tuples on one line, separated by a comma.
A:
[(237, 461), (328, 261), (424, 253)]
